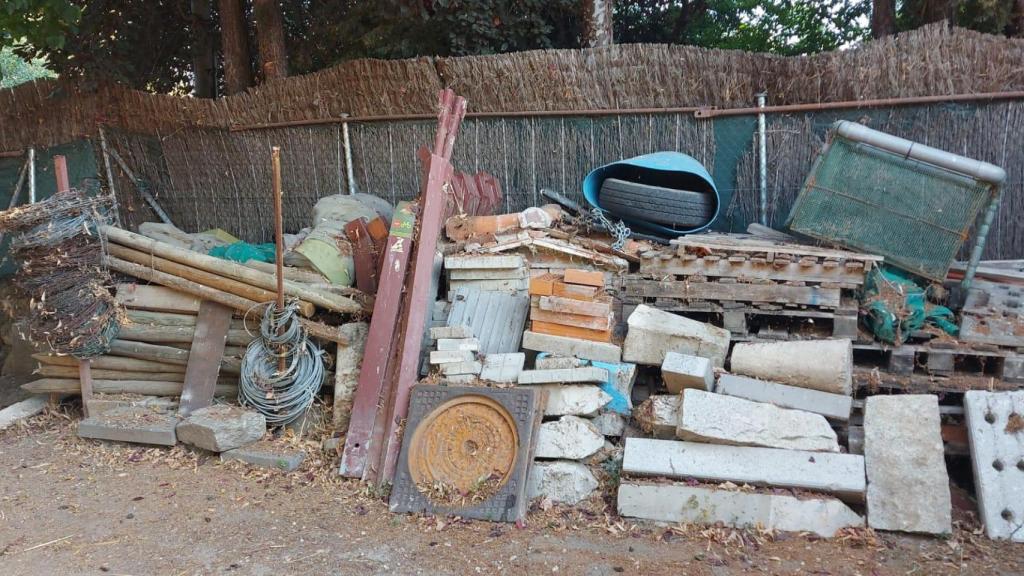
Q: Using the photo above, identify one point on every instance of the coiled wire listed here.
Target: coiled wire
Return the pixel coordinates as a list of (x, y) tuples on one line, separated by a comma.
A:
[(282, 397)]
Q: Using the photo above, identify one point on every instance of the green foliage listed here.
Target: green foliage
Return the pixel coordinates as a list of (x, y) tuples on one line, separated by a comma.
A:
[(40, 23), (14, 70)]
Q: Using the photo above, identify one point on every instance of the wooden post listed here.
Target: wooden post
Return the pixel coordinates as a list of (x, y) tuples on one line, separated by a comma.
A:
[(60, 172), (85, 376)]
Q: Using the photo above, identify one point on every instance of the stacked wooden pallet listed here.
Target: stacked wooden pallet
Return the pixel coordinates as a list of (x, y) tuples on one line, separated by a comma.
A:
[(572, 304), (741, 280)]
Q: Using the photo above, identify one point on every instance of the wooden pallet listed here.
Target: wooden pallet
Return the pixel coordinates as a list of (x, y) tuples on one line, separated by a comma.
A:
[(747, 322), (944, 360)]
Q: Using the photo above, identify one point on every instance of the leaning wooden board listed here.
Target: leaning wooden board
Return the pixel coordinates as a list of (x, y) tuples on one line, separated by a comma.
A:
[(205, 358)]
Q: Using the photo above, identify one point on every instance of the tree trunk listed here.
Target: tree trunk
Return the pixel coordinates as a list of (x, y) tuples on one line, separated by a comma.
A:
[(270, 39), (883, 18), (597, 16), (234, 39), (204, 84)]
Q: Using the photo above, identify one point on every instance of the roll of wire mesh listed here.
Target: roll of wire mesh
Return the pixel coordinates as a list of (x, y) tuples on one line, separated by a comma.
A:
[(282, 396)]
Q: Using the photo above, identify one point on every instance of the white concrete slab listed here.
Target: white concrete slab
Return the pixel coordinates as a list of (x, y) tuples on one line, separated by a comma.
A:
[(832, 406), (995, 427)]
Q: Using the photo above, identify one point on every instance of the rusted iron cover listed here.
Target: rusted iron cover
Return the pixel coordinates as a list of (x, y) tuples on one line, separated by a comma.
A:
[(464, 443)]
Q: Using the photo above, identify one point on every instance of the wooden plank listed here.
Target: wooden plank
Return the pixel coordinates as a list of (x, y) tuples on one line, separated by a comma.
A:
[(573, 291), (571, 331), (733, 292), (584, 277), (602, 307), (542, 285), (204, 360), (575, 320), (379, 343), (723, 268), (740, 243), (156, 298)]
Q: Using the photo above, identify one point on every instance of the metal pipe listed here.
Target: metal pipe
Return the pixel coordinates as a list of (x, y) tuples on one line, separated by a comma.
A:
[(31, 175), (350, 178), (110, 175), (698, 111), (762, 157), (977, 169), (149, 198), (979, 244)]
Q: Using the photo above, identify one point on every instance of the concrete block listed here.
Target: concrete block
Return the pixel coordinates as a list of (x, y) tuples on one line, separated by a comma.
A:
[(568, 438), (825, 365), (503, 285), (582, 375), (21, 410), (488, 274), (221, 427), (718, 419), (455, 368), (833, 406), (908, 487), (266, 454), (502, 367), (659, 415), (995, 428), (136, 424), (699, 505), (451, 356), (458, 331), (610, 424), (556, 362), (839, 474), (685, 371), (653, 333), (461, 262), (574, 399), (586, 349), (458, 344), (560, 481)]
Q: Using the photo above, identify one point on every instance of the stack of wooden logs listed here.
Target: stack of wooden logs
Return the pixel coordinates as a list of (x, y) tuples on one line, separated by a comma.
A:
[(572, 305)]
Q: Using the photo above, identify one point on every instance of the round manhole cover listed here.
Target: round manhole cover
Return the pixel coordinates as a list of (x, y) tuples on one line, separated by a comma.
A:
[(463, 451)]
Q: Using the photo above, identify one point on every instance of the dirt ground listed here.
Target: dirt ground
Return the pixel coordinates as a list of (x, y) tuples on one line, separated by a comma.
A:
[(73, 506)]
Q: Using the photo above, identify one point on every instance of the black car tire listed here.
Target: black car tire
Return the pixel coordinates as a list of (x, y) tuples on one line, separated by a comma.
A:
[(666, 206)]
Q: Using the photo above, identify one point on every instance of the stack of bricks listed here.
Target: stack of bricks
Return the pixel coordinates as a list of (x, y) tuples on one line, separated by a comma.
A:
[(456, 353), (572, 305), (502, 272)]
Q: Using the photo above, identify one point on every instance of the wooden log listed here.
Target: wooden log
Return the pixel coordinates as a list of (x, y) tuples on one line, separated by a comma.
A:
[(158, 334), (111, 363), (229, 269), (73, 372), (295, 274), (156, 298), (144, 387), (166, 354), (244, 305), (203, 277), (168, 319)]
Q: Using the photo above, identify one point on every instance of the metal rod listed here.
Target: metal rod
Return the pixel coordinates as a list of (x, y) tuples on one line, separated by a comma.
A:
[(350, 178), (275, 158), (17, 192), (31, 175), (762, 157), (110, 175), (142, 191), (698, 111)]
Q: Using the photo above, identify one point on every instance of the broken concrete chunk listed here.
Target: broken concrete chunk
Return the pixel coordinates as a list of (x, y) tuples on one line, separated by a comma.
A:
[(839, 474), (699, 505), (610, 423), (451, 356), (568, 438), (833, 406), (457, 331), (455, 368), (653, 333), (458, 344), (556, 362), (825, 365), (718, 419), (563, 346), (586, 374), (136, 424), (561, 481), (503, 367), (221, 427), (685, 371), (995, 427), (659, 415), (908, 487), (266, 454), (574, 399)]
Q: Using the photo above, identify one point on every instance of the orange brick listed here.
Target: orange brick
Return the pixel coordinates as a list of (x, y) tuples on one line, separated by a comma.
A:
[(575, 320), (584, 277), (571, 331), (542, 285), (574, 291)]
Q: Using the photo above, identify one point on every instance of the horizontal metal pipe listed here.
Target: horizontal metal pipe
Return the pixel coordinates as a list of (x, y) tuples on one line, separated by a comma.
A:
[(698, 111)]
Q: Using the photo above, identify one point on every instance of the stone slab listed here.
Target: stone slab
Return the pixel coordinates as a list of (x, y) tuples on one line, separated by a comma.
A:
[(699, 505), (573, 399), (908, 487), (266, 454), (502, 367), (681, 371), (556, 362), (456, 368), (568, 438), (586, 349), (838, 474), (222, 427), (719, 419), (561, 482), (582, 375), (653, 333), (451, 356), (100, 404), (995, 429), (471, 344), (136, 424), (457, 331), (833, 406)]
